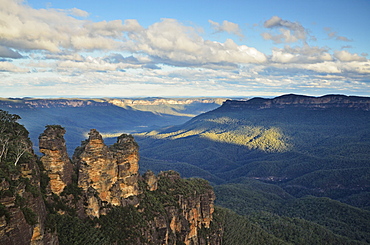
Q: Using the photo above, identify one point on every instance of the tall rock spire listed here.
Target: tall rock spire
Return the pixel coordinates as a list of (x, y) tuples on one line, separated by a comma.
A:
[(55, 160), (110, 174)]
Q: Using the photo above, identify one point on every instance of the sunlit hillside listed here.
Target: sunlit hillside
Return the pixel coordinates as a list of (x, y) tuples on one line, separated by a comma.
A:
[(316, 151)]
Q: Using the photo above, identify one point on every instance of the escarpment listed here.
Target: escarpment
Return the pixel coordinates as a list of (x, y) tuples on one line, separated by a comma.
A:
[(98, 197), (102, 183)]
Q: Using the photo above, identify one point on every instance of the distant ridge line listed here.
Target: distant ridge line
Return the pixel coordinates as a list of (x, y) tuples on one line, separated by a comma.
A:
[(77, 102), (303, 101)]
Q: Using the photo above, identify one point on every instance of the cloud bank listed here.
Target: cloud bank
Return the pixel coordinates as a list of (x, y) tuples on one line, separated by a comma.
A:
[(52, 48)]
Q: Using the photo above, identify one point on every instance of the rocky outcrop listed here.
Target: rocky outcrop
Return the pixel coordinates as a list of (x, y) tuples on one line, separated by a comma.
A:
[(78, 199), (300, 101), (151, 180), (22, 209), (109, 177), (195, 208), (109, 174), (56, 162)]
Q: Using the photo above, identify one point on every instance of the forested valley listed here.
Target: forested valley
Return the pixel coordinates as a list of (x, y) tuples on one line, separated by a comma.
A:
[(291, 172)]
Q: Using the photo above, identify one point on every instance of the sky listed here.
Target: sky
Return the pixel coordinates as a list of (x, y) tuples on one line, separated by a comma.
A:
[(193, 48)]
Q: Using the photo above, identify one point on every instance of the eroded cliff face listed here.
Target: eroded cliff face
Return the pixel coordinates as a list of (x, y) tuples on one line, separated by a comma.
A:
[(56, 162), (23, 220), (101, 188), (191, 211), (22, 209), (109, 173)]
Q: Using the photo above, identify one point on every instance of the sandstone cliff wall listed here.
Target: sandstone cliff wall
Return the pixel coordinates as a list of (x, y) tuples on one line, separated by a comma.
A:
[(22, 209), (55, 159), (108, 177), (111, 173)]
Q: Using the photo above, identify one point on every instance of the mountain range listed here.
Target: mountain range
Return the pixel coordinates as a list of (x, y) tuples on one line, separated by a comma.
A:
[(307, 145), (287, 170)]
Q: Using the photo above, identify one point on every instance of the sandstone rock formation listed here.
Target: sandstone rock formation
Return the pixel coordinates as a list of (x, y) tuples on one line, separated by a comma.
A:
[(151, 180), (194, 211), (55, 160), (99, 185), (22, 208), (110, 173)]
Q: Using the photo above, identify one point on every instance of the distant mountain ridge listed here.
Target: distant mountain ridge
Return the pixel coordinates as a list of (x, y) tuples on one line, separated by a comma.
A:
[(121, 102), (293, 100), (112, 116)]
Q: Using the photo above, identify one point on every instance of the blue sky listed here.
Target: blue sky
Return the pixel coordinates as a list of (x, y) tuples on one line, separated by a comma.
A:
[(65, 48)]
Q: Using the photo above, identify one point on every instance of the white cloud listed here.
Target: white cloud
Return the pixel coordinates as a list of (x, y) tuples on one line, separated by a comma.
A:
[(78, 12), (227, 26), (287, 31), (60, 48), (9, 67), (326, 67), (346, 56), (53, 30), (167, 41), (304, 54), (65, 56), (173, 43)]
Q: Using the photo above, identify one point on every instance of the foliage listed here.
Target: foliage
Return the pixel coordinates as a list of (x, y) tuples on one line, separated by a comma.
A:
[(29, 215), (241, 230), (123, 225), (340, 218), (321, 152), (72, 230), (72, 189), (4, 212), (14, 142), (297, 231), (308, 220)]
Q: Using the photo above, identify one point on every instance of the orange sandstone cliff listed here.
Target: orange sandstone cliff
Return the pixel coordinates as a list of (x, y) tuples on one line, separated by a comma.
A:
[(174, 210)]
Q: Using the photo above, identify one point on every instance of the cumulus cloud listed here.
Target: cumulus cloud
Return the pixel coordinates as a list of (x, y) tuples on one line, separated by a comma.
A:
[(53, 30), (64, 47), (168, 41), (305, 54), (174, 43), (227, 26), (346, 56), (287, 31)]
